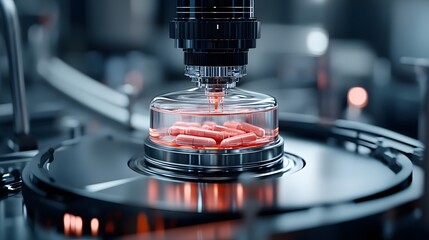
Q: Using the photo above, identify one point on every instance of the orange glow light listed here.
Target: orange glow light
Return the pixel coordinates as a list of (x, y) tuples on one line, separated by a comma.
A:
[(72, 223), (79, 226), (110, 227), (153, 192), (358, 97), (95, 224), (142, 224), (240, 196), (67, 221), (187, 193), (159, 226)]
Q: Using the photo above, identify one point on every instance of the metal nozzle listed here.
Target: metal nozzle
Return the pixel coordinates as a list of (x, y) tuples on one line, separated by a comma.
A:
[(216, 77)]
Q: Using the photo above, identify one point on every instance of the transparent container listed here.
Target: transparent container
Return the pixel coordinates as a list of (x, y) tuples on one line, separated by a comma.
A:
[(217, 119)]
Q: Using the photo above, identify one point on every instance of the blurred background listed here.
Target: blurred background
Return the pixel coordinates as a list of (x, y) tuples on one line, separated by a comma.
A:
[(92, 65), (329, 58)]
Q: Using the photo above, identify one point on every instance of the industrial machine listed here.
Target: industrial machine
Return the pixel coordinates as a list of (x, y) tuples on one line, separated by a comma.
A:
[(219, 162)]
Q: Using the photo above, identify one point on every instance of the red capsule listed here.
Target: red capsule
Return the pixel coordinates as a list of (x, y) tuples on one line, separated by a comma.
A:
[(260, 141), (176, 130), (154, 133), (260, 132), (195, 141), (232, 124), (209, 125), (238, 140), (201, 132), (231, 131)]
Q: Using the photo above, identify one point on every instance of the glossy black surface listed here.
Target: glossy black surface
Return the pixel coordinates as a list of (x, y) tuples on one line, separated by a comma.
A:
[(97, 167), (89, 178)]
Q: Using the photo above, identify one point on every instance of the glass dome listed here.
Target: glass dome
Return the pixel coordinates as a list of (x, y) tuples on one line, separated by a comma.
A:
[(216, 119)]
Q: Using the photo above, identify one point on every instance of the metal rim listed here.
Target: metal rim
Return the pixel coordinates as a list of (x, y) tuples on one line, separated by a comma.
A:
[(288, 164), (233, 160)]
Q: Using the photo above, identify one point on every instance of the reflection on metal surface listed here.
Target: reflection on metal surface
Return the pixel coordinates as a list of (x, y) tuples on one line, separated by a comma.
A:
[(159, 225), (211, 231), (95, 224), (210, 197), (187, 192), (67, 220), (78, 227), (153, 192), (109, 228), (142, 224), (73, 225), (105, 185)]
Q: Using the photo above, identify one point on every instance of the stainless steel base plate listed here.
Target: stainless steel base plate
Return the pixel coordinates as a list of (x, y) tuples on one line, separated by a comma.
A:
[(214, 161)]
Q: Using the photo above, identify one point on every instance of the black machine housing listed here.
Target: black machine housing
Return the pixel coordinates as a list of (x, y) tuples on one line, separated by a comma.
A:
[(215, 32)]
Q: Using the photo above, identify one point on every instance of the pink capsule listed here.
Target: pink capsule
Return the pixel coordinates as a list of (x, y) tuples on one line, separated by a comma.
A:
[(227, 135), (195, 141), (187, 124), (209, 125), (201, 132), (260, 141), (260, 132), (176, 130), (231, 131), (238, 140), (232, 124), (154, 133)]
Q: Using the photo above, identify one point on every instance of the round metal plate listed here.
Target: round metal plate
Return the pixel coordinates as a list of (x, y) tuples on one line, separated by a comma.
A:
[(97, 168), (212, 161)]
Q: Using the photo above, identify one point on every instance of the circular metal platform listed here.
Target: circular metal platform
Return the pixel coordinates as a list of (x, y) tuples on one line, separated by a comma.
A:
[(211, 164), (110, 175)]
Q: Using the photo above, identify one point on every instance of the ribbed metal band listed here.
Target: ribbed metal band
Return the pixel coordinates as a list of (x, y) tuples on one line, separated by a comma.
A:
[(231, 160), (226, 30), (231, 9), (201, 72)]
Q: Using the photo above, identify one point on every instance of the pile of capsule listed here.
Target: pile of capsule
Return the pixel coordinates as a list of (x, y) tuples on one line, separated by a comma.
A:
[(210, 134)]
